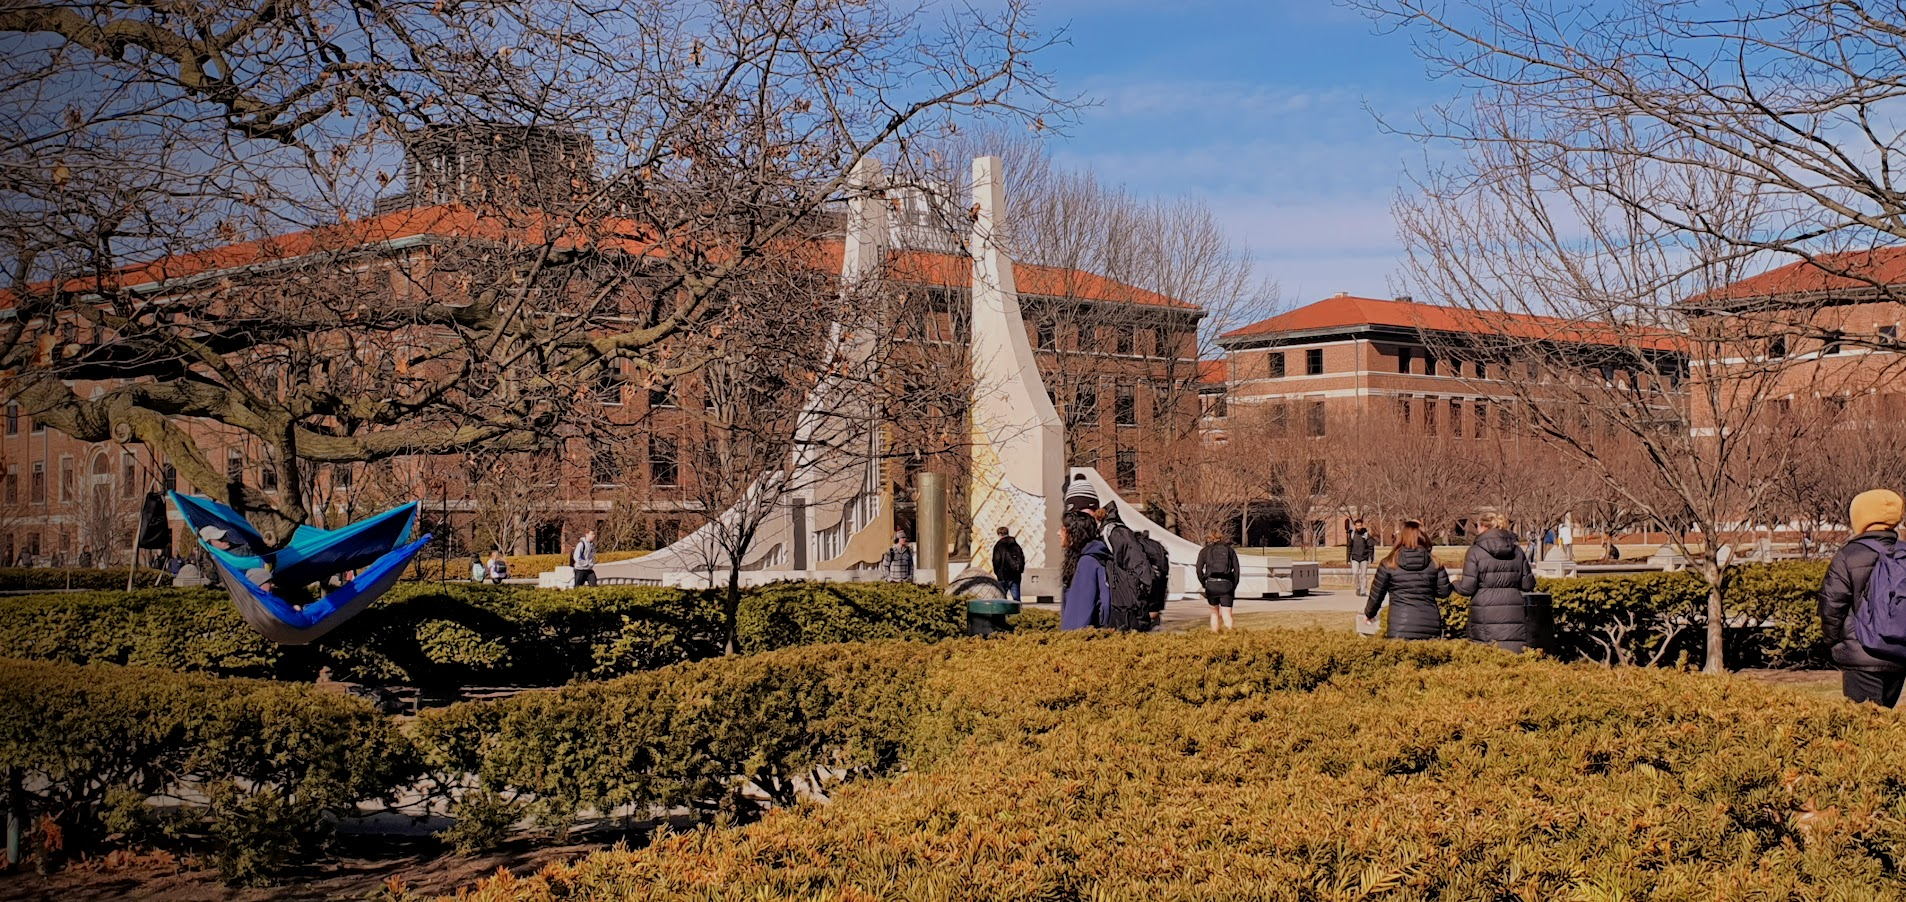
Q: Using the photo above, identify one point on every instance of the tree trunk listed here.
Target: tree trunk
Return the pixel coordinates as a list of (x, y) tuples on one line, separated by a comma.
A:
[(731, 607), (1716, 620)]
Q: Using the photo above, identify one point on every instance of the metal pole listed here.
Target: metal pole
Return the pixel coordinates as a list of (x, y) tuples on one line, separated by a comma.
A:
[(930, 521), (16, 815)]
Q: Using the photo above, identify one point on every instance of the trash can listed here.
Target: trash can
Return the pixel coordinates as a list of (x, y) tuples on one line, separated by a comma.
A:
[(1538, 612), (986, 616)]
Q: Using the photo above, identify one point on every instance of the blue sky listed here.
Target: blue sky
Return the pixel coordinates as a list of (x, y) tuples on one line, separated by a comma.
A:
[(1263, 110)]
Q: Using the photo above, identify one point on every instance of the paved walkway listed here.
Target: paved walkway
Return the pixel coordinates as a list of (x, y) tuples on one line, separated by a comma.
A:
[(1194, 610)]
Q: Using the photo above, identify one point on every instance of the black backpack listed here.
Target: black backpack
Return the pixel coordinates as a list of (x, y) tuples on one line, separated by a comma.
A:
[(1015, 556), (1161, 568)]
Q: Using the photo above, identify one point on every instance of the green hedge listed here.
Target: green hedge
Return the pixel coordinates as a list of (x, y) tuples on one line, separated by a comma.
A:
[(429, 635), (270, 764), (1659, 618), (13, 579)]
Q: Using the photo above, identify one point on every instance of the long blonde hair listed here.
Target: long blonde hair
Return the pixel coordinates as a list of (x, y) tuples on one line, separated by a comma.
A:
[(1412, 536), (1493, 520)]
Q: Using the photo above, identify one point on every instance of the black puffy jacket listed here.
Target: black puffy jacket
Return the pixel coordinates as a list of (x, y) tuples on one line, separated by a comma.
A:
[(1840, 595), (1495, 575), (1413, 586)]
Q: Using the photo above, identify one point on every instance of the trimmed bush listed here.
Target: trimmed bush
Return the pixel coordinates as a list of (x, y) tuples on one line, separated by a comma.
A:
[(462, 633), (32, 578), (1656, 618), (1267, 765), (270, 764)]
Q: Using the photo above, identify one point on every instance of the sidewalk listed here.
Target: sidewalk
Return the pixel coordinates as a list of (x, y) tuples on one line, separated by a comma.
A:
[(1322, 607)]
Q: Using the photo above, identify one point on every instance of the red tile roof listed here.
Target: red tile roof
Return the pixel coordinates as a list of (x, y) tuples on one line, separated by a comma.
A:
[(1214, 372), (1848, 271), (452, 221), (1345, 311)]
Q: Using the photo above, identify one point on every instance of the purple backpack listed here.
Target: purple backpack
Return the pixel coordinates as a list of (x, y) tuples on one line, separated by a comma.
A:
[(1880, 622)]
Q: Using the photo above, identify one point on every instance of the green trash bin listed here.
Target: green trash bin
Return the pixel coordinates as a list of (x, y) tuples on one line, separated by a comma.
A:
[(986, 616)]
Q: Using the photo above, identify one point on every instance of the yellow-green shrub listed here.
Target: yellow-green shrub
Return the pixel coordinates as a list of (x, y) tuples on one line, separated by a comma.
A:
[(30, 578), (1307, 766)]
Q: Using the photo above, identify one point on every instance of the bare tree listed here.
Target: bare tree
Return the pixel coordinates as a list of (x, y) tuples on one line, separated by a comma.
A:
[(592, 191)]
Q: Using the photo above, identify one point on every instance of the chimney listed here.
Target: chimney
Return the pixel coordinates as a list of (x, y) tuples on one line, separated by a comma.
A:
[(1404, 298), (1343, 294)]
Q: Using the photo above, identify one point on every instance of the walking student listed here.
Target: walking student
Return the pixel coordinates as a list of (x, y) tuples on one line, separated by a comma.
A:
[(1218, 574), (1864, 676), (499, 569), (1009, 563), (584, 559), (1087, 601), (1131, 575), (1411, 580), (1495, 575), (896, 566), (1363, 550)]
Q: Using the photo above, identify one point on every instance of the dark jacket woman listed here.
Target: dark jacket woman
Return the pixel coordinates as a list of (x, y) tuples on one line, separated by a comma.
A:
[(1412, 584), (1841, 594), (1218, 572), (1495, 575), (1088, 598)]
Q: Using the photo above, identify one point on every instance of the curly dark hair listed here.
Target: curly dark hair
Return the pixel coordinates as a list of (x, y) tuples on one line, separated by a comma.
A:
[(1082, 529)]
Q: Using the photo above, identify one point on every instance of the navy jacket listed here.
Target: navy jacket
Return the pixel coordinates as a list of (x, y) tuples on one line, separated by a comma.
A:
[(1088, 598)]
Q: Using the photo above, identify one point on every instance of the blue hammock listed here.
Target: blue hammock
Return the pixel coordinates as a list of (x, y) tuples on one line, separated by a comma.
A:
[(373, 547)]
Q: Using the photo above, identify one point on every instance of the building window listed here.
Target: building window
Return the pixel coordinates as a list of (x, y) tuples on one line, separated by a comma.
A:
[(1318, 475), (662, 458), (1429, 415), (1126, 409), (340, 477), (1217, 405), (37, 426), (1314, 362), (129, 476), (1832, 343), (1276, 361), (1455, 418), (268, 475), (661, 396), (1777, 347), (1122, 340), (1315, 421), (1403, 360), (13, 486), (1085, 403), (13, 419), (602, 468), (1279, 417), (1889, 332), (1482, 370), (1429, 365), (1404, 410), (66, 480), (38, 485), (609, 385), (1127, 465), (234, 466), (1482, 417), (1047, 336)]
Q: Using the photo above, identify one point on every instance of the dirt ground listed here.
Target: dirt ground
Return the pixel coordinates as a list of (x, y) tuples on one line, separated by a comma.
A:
[(360, 870)]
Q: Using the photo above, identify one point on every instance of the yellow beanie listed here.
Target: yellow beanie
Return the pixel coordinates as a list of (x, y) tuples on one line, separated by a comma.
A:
[(1875, 509)]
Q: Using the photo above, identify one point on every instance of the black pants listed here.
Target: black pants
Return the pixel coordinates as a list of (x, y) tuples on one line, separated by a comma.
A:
[(586, 577), (1879, 687)]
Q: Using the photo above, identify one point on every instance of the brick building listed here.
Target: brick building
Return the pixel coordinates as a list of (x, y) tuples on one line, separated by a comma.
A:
[(1369, 370), (1097, 339)]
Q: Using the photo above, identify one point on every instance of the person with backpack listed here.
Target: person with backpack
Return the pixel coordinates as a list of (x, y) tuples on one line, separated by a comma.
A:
[(1363, 550), (896, 566), (1412, 581), (1160, 560), (1009, 563), (1087, 601), (583, 560), (1131, 575), (1496, 574), (1845, 597), (1218, 573), (499, 569)]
